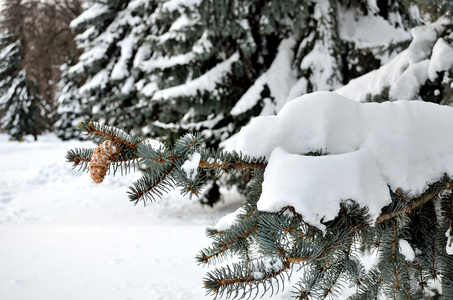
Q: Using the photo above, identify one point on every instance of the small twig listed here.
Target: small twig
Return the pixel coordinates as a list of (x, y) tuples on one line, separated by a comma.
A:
[(225, 245), (412, 205), (139, 195), (111, 136), (251, 279)]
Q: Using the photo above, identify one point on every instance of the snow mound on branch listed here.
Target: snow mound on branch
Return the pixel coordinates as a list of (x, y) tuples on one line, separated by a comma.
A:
[(441, 59), (409, 70), (370, 146), (95, 10), (356, 28), (279, 78), (190, 166), (206, 82)]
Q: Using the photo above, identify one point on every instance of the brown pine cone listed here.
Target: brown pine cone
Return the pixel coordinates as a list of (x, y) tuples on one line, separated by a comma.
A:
[(101, 159)]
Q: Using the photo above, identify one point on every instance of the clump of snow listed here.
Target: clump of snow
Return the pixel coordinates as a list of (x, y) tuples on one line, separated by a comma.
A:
[(369, 259), (449, 246), (371, 146), (135, 4), (154, 144), (149, 89), (406, 250), (410, 81), (279, 78), (267, 265), (314, 186), (228, 220), (143, 52), (128, 86), (173, 5), (203, 45), (167, 62), (441, 59), (321, 63), (96, 10), (205, 82), (99, 80), (356, 28), (182, 22), (190, 166), (120, 70)]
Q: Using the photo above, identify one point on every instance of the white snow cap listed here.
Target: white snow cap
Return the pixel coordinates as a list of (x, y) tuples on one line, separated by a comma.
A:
[(229, 220), (408, 70), (190, 166), (441, 59), (406, 249), (371, 146), (154, 144), (449, 246)]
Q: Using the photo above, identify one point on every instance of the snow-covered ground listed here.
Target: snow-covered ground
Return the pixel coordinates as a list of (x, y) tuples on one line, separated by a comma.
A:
[(62, 237)]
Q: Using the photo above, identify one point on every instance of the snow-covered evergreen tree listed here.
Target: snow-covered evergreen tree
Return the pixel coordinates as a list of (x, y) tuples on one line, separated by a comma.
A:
[(20, 102), (111, 41), (21, 107), (70, 108), (165, 68), (35, 40), (218, 65)]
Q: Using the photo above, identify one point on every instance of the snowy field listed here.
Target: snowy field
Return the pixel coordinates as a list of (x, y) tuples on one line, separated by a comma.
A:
[(62, 237)]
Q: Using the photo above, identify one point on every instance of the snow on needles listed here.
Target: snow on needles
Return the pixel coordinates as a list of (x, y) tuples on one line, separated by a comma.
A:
[(370, 146), (206, 81), (279, 78), (190, 166)]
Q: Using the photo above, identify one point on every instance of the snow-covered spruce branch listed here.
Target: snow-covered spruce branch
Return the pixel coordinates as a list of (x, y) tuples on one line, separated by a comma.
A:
[(382, 183), (101, 132), (168, 166), (287, 240)]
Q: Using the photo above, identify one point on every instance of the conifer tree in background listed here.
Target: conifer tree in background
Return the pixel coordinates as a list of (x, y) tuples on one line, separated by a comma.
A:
[(21, 107), (165, 68), (106, 71), (70, 109), (219, 64), (21, 104), (37, 39)]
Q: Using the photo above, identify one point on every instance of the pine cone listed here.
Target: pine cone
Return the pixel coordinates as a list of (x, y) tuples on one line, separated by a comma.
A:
[(101, 159)]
